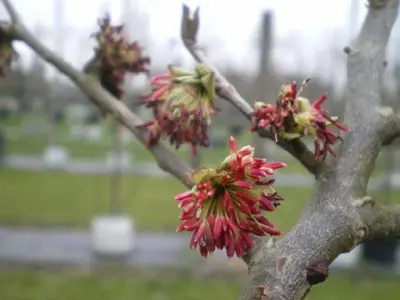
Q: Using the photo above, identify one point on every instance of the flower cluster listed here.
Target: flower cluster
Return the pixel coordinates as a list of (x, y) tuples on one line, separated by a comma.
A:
[(182, 103), (115, 56), (224, 206), (293, 117), (7, 53)]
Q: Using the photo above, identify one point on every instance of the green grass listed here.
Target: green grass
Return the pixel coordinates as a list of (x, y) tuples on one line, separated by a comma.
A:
[(19, 142), (100, 150), (51, 198), (41, 285)]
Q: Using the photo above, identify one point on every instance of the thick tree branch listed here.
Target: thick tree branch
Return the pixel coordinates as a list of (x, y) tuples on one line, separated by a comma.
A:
[(165, 158), (334, 221), (189, 28), (392, 129)]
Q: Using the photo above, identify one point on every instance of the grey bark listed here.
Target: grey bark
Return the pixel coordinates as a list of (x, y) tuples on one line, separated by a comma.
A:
[(336, 219)]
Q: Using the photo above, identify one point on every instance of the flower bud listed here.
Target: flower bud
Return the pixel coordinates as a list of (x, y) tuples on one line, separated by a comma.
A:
[(183, 104), (224, 207)]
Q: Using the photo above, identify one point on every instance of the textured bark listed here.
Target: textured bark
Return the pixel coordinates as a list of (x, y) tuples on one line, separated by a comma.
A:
[(339, 215)]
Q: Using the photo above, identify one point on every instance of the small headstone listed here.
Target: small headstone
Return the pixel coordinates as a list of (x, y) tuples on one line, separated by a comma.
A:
[(86, 132), (93, 133), (56, 156), (122, 159), (348, 260), (77, 112), (113, 235), (127, 136)]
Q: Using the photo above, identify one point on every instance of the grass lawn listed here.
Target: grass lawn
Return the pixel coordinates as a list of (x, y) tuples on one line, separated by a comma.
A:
[(82, 149), (51, 198), (19, 142), (100, 150), (41, 285)]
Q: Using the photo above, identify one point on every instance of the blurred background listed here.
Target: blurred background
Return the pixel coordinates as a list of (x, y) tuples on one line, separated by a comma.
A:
[(85, 213)]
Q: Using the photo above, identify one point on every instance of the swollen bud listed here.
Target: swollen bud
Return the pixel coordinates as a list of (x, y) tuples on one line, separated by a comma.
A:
[(115, 57), (7, 53)]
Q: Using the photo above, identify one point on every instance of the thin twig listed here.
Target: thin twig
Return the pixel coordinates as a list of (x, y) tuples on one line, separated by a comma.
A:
[(166, 159), (189, 28)]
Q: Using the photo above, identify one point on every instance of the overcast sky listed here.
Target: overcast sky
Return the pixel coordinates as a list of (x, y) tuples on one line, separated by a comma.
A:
[(304, 30)]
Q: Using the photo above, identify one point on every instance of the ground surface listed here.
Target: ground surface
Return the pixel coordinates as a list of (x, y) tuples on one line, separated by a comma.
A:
[(52, 198), (41, 285)]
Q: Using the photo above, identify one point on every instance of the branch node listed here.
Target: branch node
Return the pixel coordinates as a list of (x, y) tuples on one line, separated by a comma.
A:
[(261, 293), (385, 111), (391, 124), (361, 233), (317, 271), (367, 200), (350, 51)]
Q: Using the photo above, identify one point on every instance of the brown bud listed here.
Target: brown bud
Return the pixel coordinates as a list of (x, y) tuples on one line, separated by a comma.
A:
[(317, 271), (347, 50), (385, 63), (189, 25)]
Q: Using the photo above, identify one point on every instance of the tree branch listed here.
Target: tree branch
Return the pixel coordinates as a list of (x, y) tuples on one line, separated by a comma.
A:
[(392, 129), (382, 222), (334, 221), (189, 28), (165, 158), (15, 19)]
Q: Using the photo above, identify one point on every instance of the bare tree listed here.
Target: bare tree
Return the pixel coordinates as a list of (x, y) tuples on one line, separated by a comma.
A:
[(340, 215)]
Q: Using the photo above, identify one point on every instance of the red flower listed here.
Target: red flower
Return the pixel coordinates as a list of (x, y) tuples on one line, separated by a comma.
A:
[(293, 117), (325, 138), (114, 57), (182, 103), (224, 206), (116, 52)]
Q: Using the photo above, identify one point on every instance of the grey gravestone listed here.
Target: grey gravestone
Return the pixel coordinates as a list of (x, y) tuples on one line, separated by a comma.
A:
[(113, 235)]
